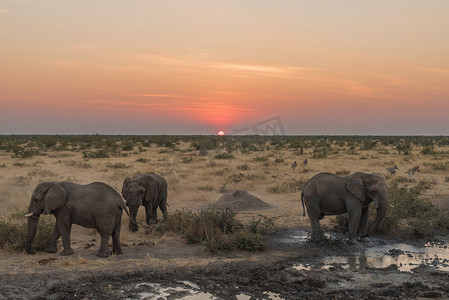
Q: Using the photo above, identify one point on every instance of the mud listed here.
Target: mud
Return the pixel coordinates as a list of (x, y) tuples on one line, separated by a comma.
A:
[(292, 268)]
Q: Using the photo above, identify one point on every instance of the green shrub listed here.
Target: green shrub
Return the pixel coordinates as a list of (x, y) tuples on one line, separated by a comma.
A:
[(217, 230), (249, 241), (262, 225), (13, 231), (404, 147), (422, 217), (25, 153), (321, 152)]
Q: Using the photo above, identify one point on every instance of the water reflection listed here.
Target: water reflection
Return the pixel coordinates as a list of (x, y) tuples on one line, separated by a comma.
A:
[(404, 256)]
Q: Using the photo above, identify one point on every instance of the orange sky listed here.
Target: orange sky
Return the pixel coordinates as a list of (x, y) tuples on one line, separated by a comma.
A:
[(195, 67)]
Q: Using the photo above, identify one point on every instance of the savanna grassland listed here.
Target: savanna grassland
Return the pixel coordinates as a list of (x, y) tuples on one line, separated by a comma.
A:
[(199, 169)]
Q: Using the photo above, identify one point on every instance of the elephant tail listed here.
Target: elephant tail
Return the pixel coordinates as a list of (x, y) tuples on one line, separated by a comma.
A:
[(302, 201), (131, 218)]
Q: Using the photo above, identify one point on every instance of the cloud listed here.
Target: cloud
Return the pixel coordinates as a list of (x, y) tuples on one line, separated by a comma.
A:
[(206, 61)]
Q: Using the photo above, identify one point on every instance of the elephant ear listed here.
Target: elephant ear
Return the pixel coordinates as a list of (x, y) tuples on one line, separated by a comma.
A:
[(356, 186), (55, 198), (151, 191), (125, 188)]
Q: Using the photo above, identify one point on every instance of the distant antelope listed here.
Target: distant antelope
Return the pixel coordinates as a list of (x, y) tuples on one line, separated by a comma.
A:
[(294, 166), (392, 170), (304, 162), (412, 171)]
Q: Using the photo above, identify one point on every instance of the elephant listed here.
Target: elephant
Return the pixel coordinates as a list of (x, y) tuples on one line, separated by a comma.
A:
[(95, 205), (329, 194), (149, 190)]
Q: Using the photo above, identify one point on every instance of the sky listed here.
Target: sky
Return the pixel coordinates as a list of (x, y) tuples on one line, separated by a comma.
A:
[(349, 67)]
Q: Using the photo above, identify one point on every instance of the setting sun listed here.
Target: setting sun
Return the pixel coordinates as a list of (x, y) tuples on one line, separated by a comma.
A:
[(221, 132)]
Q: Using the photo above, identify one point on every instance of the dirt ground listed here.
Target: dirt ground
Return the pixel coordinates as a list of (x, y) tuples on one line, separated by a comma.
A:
[(167, 267), (273, 274)]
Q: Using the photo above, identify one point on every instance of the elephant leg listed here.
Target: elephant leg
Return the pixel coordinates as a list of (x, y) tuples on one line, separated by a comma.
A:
[(317, 232), (315, 215), (354, 221), (364, 222), (163, 208), (104, 250), (53, 239), (64, 229), (149, 213), (116, 247), (155, 214)]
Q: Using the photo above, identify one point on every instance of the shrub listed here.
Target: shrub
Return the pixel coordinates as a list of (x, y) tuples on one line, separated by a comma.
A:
[(404, 146), (260, 158), (320, 152), (224, 155), (420, 214), (13, 231), (186, 160), (25, 153), (249, 241), (245, 167), (217, 230), (142, 160), (100, 153)]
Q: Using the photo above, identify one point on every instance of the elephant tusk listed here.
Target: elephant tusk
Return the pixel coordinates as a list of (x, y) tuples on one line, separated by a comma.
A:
[(29, 215), (390, 205)]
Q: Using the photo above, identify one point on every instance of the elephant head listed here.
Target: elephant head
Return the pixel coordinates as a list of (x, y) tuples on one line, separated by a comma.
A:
[(46, 198), (134, 194), (370, 188)]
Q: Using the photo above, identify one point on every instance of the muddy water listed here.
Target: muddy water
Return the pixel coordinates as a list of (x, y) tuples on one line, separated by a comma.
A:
[(184, 290), (370, 253), (404, 256)]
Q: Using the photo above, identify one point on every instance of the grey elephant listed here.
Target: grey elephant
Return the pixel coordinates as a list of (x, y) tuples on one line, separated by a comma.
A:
[(329, 194), (95, 205), (149, 190)]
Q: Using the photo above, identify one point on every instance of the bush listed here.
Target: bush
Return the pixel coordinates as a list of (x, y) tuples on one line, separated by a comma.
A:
[(13, 232), (224, 155), (100, 153), (422, 217), (217, 230)]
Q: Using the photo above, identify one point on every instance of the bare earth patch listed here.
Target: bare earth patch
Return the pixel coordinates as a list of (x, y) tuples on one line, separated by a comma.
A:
[(240, 200)]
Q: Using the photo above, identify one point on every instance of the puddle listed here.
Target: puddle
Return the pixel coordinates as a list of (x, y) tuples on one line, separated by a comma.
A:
[(186, 290), (404, 256)]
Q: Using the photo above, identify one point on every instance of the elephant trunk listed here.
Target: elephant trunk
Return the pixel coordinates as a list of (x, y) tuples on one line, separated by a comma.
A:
[(380, 216), (133, 213), (32, 228)]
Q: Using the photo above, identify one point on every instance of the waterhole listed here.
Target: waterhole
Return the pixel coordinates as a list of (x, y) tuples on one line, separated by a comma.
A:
[(405, 256)]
